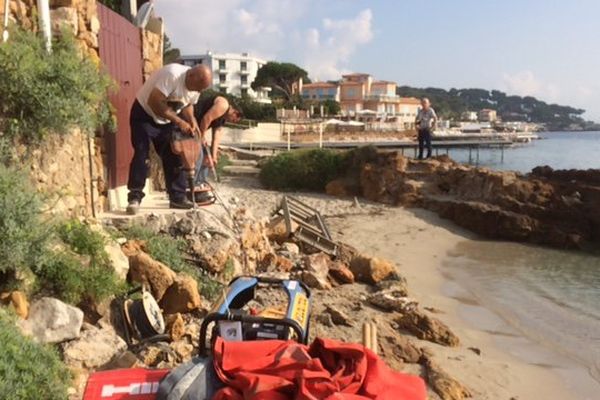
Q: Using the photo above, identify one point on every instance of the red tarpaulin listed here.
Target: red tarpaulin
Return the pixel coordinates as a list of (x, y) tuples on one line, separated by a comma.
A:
[(328, 369)]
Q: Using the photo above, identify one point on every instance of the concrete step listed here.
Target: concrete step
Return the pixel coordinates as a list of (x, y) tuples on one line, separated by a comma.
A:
[(241, 170), (242, 163)]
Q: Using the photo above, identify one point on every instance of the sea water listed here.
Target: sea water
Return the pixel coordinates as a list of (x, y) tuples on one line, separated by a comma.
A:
[(560, 150), (550, 296)]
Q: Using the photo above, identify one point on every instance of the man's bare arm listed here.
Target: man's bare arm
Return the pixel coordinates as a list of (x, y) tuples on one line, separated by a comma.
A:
[(215, 142), (188, 115), (216, 111), (158, 103)]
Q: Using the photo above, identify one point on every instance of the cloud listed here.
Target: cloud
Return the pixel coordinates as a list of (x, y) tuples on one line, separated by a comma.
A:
[(270, 29), (327, 52), (196, 26), (525, 83)]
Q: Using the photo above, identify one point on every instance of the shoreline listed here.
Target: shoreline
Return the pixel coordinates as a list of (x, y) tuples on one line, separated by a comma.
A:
[(511, 364), (419, 242)]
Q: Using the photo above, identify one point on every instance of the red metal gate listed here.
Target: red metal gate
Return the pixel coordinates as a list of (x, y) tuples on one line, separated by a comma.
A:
[(121, 53)]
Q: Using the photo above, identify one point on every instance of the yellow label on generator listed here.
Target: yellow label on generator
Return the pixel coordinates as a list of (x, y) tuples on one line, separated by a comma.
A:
[(300, 310)]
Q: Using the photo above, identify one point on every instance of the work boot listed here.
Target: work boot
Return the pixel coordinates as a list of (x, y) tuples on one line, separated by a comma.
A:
[(133, 207), (181, 204)]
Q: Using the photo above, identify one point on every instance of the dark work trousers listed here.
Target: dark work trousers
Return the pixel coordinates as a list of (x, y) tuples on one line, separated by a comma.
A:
[(424, 140), (143, 131)]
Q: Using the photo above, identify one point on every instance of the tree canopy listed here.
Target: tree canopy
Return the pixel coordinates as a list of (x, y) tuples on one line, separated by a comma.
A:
[(170, 54), (281, 77), (451, 103)]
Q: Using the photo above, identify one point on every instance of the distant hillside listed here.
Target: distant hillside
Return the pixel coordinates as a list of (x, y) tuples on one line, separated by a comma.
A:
[(451, 103)]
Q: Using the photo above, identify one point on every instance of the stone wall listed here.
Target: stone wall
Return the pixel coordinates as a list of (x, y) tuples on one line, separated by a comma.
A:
[(62, 164), (61, 169)]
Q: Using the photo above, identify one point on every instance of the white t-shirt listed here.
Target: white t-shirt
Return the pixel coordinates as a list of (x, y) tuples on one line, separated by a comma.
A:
[(170, 80), (425, 118)]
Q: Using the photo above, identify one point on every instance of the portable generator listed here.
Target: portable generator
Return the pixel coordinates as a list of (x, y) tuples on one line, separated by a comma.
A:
[(235, 318)]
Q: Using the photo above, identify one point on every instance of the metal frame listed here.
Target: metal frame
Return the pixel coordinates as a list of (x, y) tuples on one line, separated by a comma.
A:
[(312, 229)]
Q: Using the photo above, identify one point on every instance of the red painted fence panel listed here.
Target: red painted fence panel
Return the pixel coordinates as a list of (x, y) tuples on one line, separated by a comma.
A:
[(121, 53)]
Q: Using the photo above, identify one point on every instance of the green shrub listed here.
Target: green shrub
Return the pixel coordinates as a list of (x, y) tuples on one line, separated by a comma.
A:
[(49, 92), (83, 274), (302, 169), (23, 233), (75, 280), (82, 239), (29, 371)]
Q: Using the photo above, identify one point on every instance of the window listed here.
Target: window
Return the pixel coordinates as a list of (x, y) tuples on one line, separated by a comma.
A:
[(221, 64), (244, 92), (243, 65), (244, 79), (222, 78), (351, 92), (320, 92)]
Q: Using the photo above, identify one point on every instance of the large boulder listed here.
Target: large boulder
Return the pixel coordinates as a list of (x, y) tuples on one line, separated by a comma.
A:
[(18, 301), (427, 328), (371, 269), (52, 321), (146, 270), (182, 296), (95, 348), (316, 269)]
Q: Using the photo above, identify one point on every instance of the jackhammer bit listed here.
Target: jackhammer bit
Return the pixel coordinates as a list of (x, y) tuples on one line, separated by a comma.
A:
[(187, 147)]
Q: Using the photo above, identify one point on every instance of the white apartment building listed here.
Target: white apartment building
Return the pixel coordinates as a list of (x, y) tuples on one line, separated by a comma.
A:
[(232, 73)]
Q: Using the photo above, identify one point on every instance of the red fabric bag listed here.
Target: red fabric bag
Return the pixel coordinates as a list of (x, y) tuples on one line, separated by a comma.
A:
[(328, 369)]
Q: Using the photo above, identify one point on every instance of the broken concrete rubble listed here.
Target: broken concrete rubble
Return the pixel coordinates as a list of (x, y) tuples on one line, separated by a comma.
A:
[(94, 348), (316, 270)]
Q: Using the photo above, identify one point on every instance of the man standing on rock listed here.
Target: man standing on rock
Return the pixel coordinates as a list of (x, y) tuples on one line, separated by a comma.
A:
[(425, 124), (164, 102)]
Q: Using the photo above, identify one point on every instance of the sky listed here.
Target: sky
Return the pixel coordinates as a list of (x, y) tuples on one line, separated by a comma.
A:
[(549, 49)]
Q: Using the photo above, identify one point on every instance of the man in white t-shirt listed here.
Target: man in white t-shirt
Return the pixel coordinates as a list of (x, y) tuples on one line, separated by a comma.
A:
[(164, 102), (425, 123)]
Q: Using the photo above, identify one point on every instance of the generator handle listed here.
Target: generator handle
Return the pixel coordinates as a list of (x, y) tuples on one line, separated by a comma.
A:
[(215, 317)]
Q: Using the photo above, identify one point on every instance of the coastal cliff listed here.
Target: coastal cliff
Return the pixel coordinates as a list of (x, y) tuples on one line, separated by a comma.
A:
[(555, 208)]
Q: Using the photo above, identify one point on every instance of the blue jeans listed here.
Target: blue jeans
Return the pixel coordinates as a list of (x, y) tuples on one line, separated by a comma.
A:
[(424, 140), (201, 170), (143, 132)]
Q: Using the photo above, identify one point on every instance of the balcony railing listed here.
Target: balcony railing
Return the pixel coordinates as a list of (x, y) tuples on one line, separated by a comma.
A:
[(382, 97)]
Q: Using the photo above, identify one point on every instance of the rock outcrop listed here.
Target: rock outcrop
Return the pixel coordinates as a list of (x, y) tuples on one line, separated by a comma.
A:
[(556, 208), (427, 328)]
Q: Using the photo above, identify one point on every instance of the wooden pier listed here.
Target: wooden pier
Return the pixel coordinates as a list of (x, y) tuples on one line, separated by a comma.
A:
[(439, 146)]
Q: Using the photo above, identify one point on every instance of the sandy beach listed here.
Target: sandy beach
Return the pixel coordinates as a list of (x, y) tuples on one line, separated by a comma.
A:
[(509, 365)]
